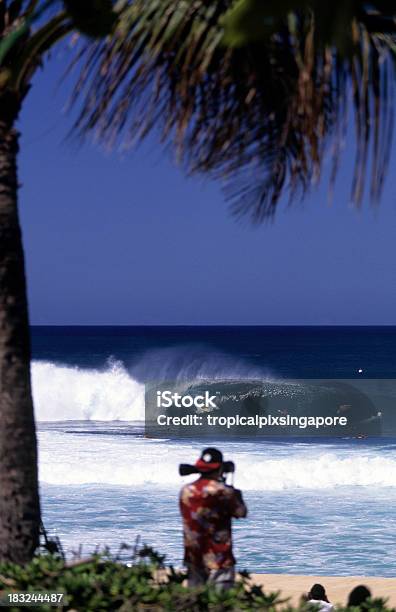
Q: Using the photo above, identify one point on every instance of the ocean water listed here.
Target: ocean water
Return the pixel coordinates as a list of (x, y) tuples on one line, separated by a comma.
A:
[(316, 506)]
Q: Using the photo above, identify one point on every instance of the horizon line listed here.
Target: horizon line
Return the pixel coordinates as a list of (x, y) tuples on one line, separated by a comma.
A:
[(213, 325)]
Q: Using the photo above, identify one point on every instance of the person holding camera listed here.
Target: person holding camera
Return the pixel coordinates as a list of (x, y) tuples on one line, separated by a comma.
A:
[(207, 506)]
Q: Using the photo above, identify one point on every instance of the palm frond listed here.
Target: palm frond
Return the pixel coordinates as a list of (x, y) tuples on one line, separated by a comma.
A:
[(260, 116)]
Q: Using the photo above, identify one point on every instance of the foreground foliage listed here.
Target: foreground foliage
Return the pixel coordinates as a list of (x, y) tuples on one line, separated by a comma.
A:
[(104, 583)]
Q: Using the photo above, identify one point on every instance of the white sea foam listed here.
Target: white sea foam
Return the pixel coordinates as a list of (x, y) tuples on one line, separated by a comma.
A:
[(322, 472), (68, 393), (112, 460)]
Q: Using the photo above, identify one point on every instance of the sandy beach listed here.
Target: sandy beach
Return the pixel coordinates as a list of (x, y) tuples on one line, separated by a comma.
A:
[(337, 587)]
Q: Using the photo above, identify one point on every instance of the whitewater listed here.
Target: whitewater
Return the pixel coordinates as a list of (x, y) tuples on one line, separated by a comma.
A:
[(63, 393), (122, 457)]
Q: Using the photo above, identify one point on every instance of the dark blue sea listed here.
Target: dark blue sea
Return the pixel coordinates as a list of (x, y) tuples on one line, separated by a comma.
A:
[(316, 506)]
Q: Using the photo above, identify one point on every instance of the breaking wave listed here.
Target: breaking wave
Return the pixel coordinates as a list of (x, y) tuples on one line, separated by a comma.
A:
[(63, 393), (115, 393)]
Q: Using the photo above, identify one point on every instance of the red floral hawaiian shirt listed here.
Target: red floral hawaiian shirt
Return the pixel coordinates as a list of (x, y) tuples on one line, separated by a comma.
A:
[(207, 507)]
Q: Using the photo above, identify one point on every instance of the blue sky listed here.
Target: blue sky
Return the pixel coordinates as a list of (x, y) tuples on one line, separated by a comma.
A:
[(120, 240)]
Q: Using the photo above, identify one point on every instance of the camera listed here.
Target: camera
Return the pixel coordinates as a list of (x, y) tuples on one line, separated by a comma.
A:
[(185, 469)]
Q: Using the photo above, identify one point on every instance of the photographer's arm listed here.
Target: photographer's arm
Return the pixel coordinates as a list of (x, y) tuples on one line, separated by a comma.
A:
[(240, 509)]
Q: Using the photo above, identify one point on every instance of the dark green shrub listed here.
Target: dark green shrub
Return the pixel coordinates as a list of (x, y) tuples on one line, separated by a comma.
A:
[(104, 583)]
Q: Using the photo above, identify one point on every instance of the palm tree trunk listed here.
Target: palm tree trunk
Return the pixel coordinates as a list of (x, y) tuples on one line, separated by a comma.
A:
[(19, 497)]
